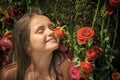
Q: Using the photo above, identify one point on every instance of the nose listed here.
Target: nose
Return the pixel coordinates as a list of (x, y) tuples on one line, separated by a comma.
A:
[(50, 32)]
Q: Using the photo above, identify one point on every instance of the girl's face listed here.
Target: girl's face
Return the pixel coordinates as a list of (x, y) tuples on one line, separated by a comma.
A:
[(42, 37)]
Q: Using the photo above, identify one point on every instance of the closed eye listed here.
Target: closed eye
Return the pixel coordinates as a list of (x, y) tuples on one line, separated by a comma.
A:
[(40, 29)]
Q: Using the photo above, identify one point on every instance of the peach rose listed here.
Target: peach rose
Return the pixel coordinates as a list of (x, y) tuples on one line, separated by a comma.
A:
[(83, 34), (8, 35)]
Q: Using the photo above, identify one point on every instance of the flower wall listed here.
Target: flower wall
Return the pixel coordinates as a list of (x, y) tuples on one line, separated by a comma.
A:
[(93, 46), (90, 28)]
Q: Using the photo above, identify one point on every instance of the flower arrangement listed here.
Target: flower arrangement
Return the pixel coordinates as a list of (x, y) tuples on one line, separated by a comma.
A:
[(90, 49)]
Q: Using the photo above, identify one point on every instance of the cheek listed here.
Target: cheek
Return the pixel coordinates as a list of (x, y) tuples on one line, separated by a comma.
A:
[(58, 39), (37, 42)]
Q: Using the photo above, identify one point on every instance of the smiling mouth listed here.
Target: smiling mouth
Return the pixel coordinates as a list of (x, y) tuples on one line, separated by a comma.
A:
[(52, 39)]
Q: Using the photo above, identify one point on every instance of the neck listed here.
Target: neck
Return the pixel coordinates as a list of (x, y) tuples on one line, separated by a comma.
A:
[(41, 62)]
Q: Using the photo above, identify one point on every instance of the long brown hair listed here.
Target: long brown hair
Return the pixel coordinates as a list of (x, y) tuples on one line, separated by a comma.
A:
[(21, 39)]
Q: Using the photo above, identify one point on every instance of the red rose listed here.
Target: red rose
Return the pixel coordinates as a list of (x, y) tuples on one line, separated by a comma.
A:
[(115, 76), (59, 32), (83, 34), (74, 72), (15, 12), (93, 52), (87, 67)]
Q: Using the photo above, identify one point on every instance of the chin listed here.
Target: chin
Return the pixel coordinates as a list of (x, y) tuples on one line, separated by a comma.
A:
[(52, 47)]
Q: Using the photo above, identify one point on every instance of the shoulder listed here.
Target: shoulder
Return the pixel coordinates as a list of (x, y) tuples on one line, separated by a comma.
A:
[(64, 67), (66, 62), (9, 72)]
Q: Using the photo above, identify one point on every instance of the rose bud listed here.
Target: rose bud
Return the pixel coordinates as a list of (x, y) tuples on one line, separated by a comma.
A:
[(59, 32)]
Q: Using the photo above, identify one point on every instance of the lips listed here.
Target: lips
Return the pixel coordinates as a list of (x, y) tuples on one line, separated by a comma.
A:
[(51, 39)]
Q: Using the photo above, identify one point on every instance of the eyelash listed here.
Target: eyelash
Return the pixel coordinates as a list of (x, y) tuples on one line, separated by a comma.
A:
[(51, 27), (41, 31)]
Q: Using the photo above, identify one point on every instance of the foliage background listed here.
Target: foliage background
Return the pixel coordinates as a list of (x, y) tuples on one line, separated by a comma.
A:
[(70, 13)]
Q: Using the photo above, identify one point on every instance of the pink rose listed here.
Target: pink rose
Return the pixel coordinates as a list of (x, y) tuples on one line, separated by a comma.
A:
[(5, 44), (74, 72)]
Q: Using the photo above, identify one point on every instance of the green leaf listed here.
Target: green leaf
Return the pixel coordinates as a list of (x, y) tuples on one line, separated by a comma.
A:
[(90, 42)]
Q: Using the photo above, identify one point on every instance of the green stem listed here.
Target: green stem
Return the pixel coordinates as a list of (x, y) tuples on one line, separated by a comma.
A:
[(102, 28), (96, 12), (116, 27), (108, 21)]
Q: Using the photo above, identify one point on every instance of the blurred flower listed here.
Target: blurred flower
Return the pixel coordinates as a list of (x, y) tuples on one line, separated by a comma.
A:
[(112, 5), (15, 12), (5, 44), (6, 21), (115, 76), (115, 3), (62, 48)]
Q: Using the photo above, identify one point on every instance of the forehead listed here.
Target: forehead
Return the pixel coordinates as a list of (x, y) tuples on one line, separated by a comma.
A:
[(39, 19)]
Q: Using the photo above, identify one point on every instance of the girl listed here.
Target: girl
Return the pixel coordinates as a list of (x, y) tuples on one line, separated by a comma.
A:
[(35, 47)]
